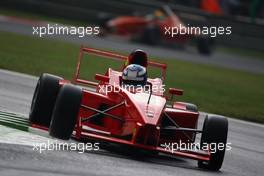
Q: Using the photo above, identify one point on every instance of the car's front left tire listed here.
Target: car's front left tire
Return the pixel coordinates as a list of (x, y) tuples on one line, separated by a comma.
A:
[(65, 112)]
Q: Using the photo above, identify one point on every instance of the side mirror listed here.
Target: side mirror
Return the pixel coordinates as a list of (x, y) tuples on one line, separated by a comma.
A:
[(175, 91), (150, 84), (102, 78)]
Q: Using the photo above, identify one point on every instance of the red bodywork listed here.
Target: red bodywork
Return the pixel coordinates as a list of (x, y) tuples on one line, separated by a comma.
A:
[(126, 117), (136, 25)]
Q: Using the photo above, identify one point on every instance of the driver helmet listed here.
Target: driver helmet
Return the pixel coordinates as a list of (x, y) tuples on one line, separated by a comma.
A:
[(135, 75), (138, 57)]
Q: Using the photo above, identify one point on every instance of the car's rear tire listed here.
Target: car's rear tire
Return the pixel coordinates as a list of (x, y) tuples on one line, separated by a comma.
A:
[(215, 130), (151, 35), (205, 45), (102, 19), (44, 99), (65, 111)]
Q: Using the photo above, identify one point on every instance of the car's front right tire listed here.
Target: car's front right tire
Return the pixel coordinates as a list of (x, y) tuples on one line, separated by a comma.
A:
[(214, 134), (44, 99)]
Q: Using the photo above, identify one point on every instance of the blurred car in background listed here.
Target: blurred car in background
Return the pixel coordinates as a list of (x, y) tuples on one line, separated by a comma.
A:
[(150, 29)]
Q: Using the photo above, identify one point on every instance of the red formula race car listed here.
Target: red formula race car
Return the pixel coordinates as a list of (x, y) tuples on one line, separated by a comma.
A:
[(142, 118), (153, 28)]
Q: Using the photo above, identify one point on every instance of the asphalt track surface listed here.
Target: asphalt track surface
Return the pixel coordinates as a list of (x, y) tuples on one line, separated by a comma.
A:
[(245, 63), (17, 156)]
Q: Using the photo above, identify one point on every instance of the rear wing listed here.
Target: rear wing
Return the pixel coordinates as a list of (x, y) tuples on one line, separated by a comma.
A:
[(108, 55)]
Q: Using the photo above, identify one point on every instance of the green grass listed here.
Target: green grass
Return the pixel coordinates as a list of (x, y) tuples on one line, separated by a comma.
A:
[(250, 53), (223, 91)]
